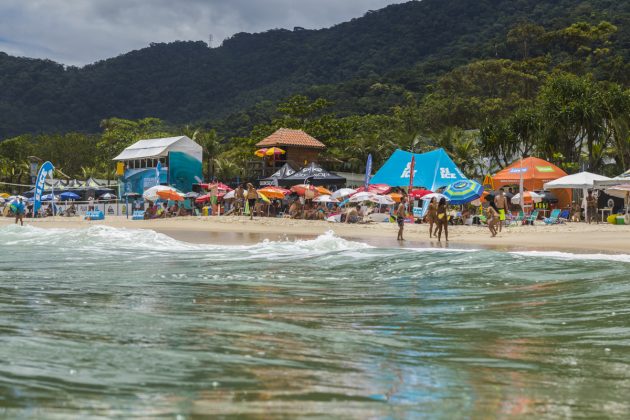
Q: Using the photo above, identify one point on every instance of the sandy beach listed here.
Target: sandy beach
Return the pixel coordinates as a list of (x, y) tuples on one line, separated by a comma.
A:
[(573, 237)]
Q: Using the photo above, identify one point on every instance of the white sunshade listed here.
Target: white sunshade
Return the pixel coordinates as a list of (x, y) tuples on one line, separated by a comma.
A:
[(364, 196), (536, 198), (580, 180), (343, 192), (325, 199)]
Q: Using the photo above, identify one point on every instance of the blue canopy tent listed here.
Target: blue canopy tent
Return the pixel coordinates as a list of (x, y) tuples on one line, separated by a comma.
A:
[(432, 170)]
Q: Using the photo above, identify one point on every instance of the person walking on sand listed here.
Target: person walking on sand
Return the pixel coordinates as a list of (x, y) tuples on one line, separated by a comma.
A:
[(401, 212), (432, 216), (19, 212), (442, 219), (252, 196), (492, 217), (239, 195), (501, 206), (214, 197), (591, 208)]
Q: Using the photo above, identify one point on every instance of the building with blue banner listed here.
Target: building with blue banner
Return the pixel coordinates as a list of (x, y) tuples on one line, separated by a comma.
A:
[(432, 170), (174, 161)]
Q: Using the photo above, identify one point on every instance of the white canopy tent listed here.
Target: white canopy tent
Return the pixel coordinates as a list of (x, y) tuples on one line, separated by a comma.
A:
[(580, 181)]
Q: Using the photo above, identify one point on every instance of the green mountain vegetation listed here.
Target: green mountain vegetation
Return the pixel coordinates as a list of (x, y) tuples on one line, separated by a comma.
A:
[(487, 80)]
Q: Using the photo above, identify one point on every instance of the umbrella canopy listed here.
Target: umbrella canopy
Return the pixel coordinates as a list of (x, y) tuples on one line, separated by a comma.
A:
[(580, 180), (343, 192), (300, 189), (462, 192), (547, 197), (220, 186), (274, 192), (50, 197), (419, 193), (261, 152), (275, 151), (528, 198), (151, 193), (170, 195), (535, 173), (229, 195), (364, 196), (385, 200), (323, 191), (2, 200), (376, 188), (191, 194), (396, 196), (619, 191), (107, 196), (437, 197), (132, 195), (325, 199), (69, 196), (264, 198), (4, 195), (15, 197)]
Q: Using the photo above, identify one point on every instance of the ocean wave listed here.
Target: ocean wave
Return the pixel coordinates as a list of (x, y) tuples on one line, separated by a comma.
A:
[(106, 238), (572, 256)]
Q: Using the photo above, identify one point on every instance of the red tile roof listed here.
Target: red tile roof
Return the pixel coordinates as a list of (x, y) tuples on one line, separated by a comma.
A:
[(289, 137)]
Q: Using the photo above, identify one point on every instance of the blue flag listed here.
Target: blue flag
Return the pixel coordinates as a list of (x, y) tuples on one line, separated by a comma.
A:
[(44, 171), (368, 170)]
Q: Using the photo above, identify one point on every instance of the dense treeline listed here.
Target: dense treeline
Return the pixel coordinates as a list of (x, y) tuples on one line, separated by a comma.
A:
[(363, 66), (558, 92)]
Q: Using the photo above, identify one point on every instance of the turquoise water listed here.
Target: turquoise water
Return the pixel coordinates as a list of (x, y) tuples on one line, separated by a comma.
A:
[(106, 322)]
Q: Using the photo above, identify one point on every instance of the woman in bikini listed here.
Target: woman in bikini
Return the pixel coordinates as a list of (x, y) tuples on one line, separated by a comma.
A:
[(442, 219)]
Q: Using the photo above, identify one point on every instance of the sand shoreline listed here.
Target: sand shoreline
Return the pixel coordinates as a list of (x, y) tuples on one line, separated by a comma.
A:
[(570, 237)]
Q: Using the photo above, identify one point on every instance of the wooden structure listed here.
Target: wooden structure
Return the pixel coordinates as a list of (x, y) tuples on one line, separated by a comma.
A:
[(300, 147)]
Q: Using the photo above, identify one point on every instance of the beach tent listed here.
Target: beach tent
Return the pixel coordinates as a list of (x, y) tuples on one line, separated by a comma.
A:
[(535, 173), (285, 171), (581, 181), (312, 174), (432, 170)]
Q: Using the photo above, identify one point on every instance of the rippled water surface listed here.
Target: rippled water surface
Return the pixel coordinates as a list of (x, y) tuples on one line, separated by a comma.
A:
[(107, 322)]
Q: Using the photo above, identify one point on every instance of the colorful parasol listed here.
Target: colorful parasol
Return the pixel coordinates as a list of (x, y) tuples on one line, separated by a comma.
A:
[(274, 192), (462, 192), (170, 195)]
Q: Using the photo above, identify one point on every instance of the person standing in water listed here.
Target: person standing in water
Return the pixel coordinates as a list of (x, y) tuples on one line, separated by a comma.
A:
[(252, 196), (19, 212), (442, 219), (401, 212), (501, 205), (432, 216)]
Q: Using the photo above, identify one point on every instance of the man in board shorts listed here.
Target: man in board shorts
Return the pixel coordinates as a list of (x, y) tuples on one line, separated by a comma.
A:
[(401, 212), (500, 202)]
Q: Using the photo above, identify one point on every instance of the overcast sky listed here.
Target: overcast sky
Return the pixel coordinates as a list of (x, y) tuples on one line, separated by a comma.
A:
[(79, 32)]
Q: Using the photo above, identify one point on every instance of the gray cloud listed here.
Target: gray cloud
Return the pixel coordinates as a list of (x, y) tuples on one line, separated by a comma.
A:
[(82, 31)]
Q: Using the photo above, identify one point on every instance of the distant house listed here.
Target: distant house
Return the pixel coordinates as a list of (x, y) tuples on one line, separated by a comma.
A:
[(300, 147), (178, 159)]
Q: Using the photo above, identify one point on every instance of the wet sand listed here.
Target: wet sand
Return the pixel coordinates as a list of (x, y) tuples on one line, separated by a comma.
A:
[(573, 237)]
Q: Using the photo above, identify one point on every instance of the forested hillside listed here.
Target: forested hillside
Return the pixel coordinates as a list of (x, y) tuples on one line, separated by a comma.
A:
[(364, 66)]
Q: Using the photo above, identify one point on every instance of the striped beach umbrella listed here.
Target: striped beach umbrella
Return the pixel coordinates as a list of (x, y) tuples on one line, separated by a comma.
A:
[(462, 192)]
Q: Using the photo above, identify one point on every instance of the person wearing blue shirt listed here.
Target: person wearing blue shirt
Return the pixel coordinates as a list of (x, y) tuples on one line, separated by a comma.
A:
[(19, 212)]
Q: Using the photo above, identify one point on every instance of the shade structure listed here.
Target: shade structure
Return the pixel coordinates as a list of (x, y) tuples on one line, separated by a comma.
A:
[(385, 200), (528, 198), (364, 196), (50, 197), (396, 196), (323, 191), (376, 189), (301, 189), (107, 196), (419, 193), (535, 173), (576, 181), (325, 199), (343, 192), (151, 193), (261, 152), (432, 170), (170, 195), (275, 151), (462, 192), (229, 195), (220, 186), (274, 192), (312, 174), (4, 195), (68, 195), (285, 171), (191, 194)]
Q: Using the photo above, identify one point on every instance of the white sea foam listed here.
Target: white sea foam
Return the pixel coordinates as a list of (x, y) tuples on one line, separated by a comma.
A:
[(571, 256)]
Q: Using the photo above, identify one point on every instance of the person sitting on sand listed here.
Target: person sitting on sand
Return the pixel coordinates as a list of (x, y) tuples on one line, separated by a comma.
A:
[(576, 212), (294, 210), (492, 217), (354, 214)]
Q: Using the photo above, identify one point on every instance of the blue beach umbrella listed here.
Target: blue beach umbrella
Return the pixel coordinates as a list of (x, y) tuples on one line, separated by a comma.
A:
[(69, 196), (50, 197), (462, 192)]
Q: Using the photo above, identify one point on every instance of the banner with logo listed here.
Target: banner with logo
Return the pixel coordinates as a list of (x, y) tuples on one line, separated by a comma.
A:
[(46, 169), (431, 170)]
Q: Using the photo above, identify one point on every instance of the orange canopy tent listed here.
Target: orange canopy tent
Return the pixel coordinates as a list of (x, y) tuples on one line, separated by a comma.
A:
[(535, 173)]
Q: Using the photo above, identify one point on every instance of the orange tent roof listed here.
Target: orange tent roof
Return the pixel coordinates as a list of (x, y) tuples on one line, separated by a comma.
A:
[(535, 173), (289, 137)]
